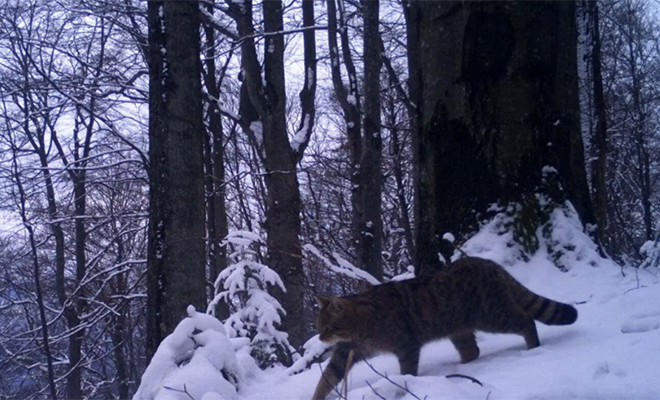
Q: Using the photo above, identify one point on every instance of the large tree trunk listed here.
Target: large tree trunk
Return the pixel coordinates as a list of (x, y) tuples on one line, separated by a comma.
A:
[(176, 255), (495, 86)]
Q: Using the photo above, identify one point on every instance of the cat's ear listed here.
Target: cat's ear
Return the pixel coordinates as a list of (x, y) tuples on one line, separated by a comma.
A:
[(363, 286), (322, 302), (337, 303)]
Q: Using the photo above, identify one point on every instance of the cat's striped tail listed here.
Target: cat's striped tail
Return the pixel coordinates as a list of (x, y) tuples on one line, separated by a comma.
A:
[(548, 311)]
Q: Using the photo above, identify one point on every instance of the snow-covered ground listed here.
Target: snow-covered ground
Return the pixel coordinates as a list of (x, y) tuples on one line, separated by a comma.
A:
[(611, 352)]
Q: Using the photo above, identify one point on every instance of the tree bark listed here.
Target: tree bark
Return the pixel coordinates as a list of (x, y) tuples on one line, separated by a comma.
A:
[(283, 202), (176, 252)]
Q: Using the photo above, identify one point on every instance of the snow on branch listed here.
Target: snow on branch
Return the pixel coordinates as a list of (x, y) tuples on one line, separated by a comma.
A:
[(342, 266), (314, 352)]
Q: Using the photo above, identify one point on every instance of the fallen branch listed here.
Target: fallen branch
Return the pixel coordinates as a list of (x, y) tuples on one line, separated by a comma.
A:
[(464, 377)]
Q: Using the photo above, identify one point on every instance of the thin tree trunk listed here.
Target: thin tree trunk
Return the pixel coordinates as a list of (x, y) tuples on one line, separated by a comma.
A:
[(599, 144), (37, 281), (643, 165), (349, 101), (404, 219), (371, 226), (216, 218), (78, 176), (118, 329)]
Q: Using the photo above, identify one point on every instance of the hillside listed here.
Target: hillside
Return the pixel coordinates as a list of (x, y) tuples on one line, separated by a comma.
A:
[(611, 352)]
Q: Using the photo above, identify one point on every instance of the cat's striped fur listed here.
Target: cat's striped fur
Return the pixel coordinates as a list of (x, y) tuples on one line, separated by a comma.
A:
[(472, 294)]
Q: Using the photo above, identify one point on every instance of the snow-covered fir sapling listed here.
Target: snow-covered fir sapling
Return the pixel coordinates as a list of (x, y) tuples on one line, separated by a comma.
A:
[(254, 313), (651, 251)]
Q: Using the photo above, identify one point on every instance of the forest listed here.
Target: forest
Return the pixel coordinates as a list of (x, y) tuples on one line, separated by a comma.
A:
[(244, 157)]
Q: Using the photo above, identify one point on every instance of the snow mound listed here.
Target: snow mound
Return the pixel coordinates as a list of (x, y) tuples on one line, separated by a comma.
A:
[(641, 323), (197, 361)]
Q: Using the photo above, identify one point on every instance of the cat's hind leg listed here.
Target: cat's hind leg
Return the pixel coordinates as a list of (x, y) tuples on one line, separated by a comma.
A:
[(466, 345), (408, 355), (513, 321)]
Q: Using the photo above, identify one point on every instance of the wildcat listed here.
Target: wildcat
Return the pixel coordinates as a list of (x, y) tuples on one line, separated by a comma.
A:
[(471, 294)]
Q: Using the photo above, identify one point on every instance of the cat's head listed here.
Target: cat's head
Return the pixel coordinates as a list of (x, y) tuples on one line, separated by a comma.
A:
[(335, 322)]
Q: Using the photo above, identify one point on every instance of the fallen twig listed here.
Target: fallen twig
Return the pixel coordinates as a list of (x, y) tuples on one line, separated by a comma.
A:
[(375, 392), (349, 364), (405, 388), (185, 390)]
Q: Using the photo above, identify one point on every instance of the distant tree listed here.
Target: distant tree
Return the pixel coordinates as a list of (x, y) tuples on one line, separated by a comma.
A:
[(62, 97), (348, 97), (594, 114), (495, 89), (176, 274), (362, 119), (214, 160)]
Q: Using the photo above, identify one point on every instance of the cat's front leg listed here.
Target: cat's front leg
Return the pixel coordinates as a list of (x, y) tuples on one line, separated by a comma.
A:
[(335, 371)]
